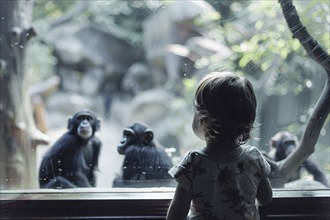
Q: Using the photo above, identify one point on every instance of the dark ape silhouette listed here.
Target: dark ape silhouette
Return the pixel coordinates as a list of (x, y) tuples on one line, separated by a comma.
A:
[(146, 162), (73, 159), (282, 145)]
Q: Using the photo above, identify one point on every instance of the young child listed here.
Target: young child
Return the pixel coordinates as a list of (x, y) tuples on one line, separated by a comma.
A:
[(224, 179)]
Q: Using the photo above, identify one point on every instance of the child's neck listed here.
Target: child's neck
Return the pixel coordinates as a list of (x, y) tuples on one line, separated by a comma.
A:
[(220, 151)]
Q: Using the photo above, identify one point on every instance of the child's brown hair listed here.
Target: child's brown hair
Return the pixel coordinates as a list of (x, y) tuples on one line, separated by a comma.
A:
[(226, 106)]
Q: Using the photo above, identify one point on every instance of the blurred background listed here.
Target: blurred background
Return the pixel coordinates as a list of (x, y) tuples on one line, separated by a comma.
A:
[(140, 61)]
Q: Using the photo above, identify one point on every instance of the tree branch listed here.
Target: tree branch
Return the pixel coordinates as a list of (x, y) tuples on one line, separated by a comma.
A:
[(299, 31)]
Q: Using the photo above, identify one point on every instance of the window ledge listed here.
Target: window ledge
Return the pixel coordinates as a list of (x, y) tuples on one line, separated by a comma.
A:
[(143, 203)]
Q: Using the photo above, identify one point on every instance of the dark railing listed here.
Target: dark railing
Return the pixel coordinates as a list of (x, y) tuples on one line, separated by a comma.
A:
[(144, 204)]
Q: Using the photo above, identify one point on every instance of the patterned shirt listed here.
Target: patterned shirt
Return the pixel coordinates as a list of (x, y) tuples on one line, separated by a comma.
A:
[(222, 189)]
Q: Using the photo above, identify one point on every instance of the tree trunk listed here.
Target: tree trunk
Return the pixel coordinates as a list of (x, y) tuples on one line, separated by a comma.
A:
[(18, 134)]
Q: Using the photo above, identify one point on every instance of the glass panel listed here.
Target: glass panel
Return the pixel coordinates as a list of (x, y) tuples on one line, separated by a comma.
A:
[(140, 61)]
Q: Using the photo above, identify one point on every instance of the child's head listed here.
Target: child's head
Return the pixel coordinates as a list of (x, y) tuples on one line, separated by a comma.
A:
[(225, 108)]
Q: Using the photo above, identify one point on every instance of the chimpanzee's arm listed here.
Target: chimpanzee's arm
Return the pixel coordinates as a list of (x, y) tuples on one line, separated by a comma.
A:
[(95, 160), (315, 170), (80, 180), (96, 151)]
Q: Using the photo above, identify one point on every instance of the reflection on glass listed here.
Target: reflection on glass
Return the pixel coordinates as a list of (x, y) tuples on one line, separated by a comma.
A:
[(131, 61)]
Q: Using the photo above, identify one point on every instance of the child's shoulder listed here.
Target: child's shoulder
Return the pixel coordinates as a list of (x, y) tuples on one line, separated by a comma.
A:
[(250, 148), (192, 155), (252, 151)]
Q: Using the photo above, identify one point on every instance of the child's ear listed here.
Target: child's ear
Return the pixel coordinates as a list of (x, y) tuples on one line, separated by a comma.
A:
[(197, 126)]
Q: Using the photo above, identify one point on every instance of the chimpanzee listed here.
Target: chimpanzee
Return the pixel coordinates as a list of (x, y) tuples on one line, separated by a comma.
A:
[(282, 144), (146, 162), (73, 159)]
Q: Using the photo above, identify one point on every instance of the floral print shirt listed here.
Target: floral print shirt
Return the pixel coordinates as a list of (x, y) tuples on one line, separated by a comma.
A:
[(222, 189)]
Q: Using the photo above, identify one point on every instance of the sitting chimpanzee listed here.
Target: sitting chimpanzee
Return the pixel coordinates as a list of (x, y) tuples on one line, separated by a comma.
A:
[(73, 159), (146, 162), (282, 144)]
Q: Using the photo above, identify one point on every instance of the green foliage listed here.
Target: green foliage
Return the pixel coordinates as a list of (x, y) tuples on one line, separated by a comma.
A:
[(189, 89), (256, 32), (42, 65), (122, 18), (45, 9), (41, 62), (262, 42), (317, 20)]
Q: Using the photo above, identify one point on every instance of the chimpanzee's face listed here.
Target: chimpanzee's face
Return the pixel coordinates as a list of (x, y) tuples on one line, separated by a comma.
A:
[(137, 134), (288, 146), (127, 139), (85, 129), (284, 143), (84, 124)]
